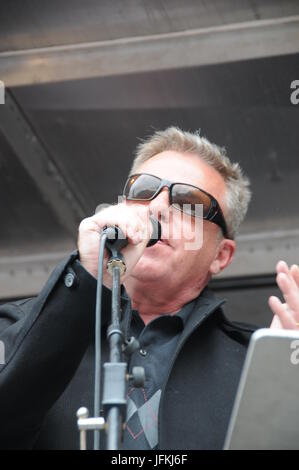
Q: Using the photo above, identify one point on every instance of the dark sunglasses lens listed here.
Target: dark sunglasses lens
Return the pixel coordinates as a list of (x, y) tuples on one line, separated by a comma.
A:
[(186, 198), (141, 187)]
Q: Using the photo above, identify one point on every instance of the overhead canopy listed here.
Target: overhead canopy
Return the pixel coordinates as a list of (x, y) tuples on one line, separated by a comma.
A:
[(86, 80)]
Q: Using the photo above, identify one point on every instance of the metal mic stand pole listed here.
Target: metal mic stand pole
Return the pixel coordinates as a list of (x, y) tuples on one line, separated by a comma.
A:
[(115, 371)]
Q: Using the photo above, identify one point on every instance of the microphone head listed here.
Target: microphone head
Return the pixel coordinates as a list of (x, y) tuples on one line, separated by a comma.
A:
[(116, 237), (156, 231)]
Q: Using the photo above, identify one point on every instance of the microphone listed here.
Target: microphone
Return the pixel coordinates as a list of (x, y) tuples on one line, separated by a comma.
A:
[(117, 239)]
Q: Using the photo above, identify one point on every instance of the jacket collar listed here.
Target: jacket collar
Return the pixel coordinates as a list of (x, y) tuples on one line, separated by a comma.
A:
[(205, 304), (202, 307)]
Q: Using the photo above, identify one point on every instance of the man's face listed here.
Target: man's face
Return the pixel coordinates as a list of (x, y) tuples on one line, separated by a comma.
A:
[(172, 260)]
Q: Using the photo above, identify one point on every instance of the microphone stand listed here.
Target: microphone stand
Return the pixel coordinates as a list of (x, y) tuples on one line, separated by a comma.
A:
[(115, 371)]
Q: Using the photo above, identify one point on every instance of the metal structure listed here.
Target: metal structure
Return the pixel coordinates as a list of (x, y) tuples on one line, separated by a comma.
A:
[(85, 80)]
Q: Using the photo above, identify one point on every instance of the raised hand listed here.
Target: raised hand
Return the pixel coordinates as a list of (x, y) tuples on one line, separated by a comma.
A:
[(286, 314)]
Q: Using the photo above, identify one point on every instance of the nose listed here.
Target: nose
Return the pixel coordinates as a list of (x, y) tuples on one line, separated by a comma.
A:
[(159, 206)]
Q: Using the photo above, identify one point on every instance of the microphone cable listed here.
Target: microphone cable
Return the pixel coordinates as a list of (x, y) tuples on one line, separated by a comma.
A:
[(121, 242), (98, 345)]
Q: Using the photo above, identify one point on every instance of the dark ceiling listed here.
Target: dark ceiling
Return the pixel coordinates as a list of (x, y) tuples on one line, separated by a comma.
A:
[(90, 128), (67, 145), (27, 24)]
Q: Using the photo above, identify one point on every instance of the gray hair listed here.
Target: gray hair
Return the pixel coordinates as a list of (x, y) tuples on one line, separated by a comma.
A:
[(238, 194)]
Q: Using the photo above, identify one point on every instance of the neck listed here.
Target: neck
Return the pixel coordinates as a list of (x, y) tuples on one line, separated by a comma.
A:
[(155, 299)]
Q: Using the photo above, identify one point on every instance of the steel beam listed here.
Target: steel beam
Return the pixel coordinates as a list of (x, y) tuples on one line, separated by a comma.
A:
[(193, 47), (24, 276), (36, 160), (257, 255)]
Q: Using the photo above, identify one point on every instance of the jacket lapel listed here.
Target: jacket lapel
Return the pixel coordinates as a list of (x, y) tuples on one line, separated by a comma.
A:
[(204, 306)]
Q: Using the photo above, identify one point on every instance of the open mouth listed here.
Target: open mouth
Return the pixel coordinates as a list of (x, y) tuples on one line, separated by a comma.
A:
[(163, 241)]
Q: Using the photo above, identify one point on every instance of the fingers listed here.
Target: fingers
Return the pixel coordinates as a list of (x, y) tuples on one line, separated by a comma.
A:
[(290, 294), (132, 220), (288, 285), (282, 267), (292, 273), (276, 323), (288, 288), (284, 316), (295, 273)]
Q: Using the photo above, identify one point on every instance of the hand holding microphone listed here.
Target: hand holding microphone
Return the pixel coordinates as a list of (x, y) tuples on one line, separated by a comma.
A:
[(118, 240), (137, 228)]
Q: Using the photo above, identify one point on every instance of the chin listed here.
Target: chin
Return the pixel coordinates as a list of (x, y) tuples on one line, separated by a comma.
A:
[(151, 268)]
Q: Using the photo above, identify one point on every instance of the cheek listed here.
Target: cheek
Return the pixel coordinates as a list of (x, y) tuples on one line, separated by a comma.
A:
[(197, 253), (186, 233)]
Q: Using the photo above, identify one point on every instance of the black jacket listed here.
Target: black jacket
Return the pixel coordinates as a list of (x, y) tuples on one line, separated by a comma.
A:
[(49, 367)]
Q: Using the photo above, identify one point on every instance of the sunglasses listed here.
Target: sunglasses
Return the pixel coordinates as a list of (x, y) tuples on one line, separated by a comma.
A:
[(183, 197)]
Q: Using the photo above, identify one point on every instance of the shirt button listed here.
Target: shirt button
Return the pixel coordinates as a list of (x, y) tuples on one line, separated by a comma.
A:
[(69, 279), (143, 352)]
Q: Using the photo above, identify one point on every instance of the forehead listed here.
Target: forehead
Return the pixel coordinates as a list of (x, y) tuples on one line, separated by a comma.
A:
[(186, 168)]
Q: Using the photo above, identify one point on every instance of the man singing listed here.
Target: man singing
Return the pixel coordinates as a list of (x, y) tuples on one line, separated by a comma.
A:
[(192, 355)]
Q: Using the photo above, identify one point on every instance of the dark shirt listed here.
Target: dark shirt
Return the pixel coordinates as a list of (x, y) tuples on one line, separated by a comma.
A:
[(158, 340)]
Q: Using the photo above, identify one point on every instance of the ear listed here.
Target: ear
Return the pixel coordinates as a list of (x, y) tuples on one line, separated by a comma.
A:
[(224, 256)]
